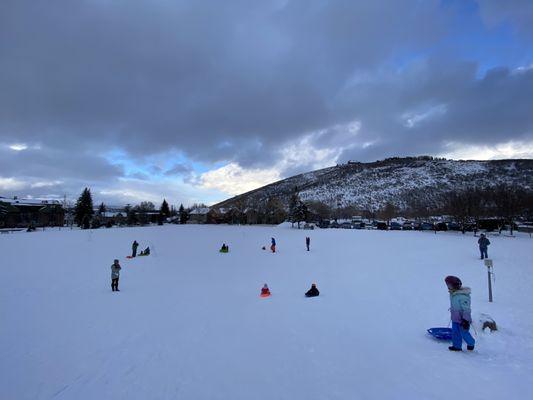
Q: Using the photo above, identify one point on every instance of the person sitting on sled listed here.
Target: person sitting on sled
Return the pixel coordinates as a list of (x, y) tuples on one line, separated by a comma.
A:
[(460, 314), (224, 248), (273, 246), (146, 252), (313, 292), (265, 291)]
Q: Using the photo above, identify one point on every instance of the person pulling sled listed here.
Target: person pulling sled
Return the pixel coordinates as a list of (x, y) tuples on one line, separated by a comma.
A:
[(460, 314)]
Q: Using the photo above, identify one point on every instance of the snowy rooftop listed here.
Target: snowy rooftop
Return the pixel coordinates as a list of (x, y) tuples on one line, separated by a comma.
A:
[(30, 202)]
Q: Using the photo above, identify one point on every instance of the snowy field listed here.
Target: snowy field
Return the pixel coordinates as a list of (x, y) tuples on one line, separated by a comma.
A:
[(188, 322)]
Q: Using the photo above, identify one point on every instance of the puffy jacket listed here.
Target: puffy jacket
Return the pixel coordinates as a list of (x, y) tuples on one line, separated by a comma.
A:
[(460, 305), (313, 292), (115, 271), (483, 242)]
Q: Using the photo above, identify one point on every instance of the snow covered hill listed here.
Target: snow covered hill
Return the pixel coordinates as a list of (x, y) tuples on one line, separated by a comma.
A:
[(188, 322), (401, 181)]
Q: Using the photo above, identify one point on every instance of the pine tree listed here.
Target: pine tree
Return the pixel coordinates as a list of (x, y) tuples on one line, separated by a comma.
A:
[(300, 213), (101, 209), (84, 209), (293, 205), (184, 215), (164, 210)]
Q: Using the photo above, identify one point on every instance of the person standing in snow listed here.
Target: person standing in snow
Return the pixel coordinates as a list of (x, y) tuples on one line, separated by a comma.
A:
[(307, 242), (273, 246), (460, 314), (115, 274), (134, 248), (483, 242)]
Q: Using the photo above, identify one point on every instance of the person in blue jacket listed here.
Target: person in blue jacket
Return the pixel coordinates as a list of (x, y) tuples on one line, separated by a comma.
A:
[(460, 314)]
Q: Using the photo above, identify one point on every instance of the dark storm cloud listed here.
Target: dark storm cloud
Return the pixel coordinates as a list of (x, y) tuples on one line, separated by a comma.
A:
[(238, 80), (420, 111), (518, 13), (148, 75)]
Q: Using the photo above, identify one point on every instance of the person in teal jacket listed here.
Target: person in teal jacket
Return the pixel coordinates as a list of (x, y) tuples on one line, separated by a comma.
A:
[(460, 314)]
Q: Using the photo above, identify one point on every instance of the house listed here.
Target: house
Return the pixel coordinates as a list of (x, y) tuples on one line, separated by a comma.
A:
[(21, 213), (198, 215)]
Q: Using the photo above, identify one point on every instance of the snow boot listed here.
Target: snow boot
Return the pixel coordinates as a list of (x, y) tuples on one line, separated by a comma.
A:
[(470, 348), (451, 348)]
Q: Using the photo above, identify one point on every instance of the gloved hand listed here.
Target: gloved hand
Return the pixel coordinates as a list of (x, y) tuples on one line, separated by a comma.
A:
[(465, 324)]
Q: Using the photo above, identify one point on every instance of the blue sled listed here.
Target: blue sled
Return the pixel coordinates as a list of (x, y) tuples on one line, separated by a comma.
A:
[(441, 333)]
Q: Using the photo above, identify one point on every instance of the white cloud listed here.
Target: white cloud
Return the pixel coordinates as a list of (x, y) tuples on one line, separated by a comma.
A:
[(512, 149), (18, 146), (233, 179), (11, 184), (43, 184)]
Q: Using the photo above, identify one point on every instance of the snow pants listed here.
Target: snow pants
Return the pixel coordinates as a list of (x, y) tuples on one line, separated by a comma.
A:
[(483, 251), (134, 252), (114, 284), (459, 334)]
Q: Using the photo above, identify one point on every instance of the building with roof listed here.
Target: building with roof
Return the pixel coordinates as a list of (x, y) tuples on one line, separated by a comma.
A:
[(21, 213)]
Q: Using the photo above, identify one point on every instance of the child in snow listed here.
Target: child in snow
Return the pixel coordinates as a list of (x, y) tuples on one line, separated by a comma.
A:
[(273, 246), (313, 292), (460, 314), (115, 274), (134, 248), (307, 242), (224, 248), (265, 291), (146, 252), (483, 245)]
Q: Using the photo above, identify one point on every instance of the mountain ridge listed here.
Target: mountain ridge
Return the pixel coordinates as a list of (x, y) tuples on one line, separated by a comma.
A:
[(401, 181)]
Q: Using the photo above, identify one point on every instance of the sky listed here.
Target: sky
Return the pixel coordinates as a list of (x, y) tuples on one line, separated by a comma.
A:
[(197, 101)]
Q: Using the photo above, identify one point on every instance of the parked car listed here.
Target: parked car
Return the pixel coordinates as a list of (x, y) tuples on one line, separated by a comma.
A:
[(323, 224), (427, 226), (345, 225), (407, 226), (334, 224), (382, 226), (454, 226), (358, 225), (395, 226), (441, 226)]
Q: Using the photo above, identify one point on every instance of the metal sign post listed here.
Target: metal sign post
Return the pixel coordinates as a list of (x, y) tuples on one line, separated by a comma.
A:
[(488, 264)]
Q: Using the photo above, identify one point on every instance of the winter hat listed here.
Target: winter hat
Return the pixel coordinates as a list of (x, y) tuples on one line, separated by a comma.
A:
[(453, 282)]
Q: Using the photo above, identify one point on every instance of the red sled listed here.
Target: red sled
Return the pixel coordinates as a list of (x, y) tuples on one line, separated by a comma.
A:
[(129, 256)]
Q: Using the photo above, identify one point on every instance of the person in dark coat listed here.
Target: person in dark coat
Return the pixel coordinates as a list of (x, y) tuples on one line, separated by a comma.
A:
[(115, 274), (134, 248), (313, 292), (307, 242), (146, 252), (483, 246)]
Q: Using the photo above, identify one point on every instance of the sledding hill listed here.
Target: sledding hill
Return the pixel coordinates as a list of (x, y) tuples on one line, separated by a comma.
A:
[(401, 181)]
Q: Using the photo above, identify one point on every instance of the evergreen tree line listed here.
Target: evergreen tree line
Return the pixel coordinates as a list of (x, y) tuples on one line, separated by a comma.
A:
[(141, 214)]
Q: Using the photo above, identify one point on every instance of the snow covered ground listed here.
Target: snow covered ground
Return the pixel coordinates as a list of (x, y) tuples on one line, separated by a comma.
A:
[(189, 324)]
